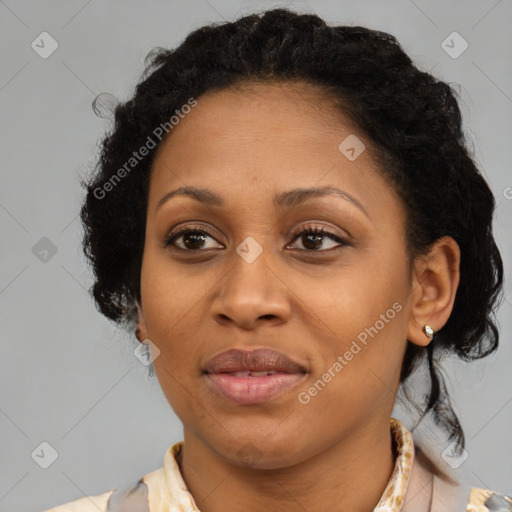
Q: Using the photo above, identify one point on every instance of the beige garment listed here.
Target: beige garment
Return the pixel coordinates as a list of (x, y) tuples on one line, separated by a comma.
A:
[(416, 485)]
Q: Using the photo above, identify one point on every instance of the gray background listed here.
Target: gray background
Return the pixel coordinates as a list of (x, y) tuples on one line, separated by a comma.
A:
[(68, 377)]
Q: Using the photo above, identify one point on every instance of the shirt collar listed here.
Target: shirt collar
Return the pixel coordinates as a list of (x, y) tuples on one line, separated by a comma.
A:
[(394, 494), (175, 496)]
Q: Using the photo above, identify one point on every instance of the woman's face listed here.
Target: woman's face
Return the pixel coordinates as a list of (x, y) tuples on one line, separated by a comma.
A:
[(340, 310)]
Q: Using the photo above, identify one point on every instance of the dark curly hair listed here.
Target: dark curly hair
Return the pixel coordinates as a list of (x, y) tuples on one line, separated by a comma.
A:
[(412, 120)]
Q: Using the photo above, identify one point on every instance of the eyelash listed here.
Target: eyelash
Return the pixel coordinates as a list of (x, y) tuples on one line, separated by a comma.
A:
[(302, 231)]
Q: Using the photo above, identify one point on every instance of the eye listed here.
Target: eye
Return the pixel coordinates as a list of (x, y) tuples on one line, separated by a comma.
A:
[(312, 237), (191, 239)]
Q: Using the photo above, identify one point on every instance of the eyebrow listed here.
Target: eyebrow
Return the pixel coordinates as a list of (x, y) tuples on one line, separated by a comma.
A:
[(288, 199)]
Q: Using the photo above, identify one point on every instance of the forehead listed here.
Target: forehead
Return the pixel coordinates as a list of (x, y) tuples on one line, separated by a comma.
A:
[(273, 136), (282, 111)]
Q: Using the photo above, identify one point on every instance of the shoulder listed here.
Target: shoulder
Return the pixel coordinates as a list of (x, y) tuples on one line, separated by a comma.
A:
[(485, 500), (150, 489), (85, 504), (135, 497), (435, 490)]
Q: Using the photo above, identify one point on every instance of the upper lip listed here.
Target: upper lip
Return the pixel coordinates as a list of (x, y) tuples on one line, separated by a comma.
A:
[(256, 360)]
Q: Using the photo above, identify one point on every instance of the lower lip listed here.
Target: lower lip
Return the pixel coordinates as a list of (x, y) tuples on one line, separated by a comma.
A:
[(252, 390)]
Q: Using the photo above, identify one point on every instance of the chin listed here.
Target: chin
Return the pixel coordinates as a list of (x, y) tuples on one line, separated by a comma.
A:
[(260, 453)]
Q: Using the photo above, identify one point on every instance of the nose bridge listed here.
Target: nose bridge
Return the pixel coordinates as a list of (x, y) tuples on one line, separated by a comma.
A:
[(251, 290), (250, 274)]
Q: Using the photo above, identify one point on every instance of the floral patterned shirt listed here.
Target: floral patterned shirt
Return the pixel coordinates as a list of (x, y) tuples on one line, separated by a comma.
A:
[(164, 489)]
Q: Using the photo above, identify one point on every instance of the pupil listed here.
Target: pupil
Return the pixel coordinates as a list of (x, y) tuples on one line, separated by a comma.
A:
[(196, 240), (317, 243)]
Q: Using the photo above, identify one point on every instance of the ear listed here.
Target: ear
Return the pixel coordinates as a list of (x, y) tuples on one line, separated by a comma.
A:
[(435, 280), (141, 331)]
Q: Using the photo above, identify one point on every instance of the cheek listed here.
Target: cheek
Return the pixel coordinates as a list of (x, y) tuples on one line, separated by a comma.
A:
[(169, 290), (360, 369), (356, 297), (364, 316), (168, 302)]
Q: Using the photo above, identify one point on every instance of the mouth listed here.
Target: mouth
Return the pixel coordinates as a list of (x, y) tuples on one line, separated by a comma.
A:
[(252, 377)]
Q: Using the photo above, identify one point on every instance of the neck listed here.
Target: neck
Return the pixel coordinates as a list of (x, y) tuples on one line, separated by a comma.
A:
[(350, 475)]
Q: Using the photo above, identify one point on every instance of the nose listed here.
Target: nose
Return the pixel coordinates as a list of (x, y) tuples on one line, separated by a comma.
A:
[(251, 294)]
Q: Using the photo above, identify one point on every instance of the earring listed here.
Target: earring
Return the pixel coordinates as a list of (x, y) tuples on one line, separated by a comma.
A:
[(428, 331)]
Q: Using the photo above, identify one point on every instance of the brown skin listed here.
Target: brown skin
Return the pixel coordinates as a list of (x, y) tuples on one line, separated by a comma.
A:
[(333, 453)]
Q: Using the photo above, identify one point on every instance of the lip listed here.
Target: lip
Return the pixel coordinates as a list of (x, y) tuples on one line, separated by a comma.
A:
[(257, 360), (230, 374)]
